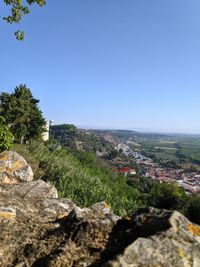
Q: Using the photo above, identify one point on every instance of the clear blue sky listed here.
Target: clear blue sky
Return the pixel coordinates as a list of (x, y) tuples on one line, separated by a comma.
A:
[(109, 63)]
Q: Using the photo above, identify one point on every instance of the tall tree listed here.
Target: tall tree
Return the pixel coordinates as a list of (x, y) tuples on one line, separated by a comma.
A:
[(18, 10), (21, 112)]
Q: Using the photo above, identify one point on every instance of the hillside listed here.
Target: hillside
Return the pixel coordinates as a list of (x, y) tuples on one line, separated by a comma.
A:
[(81, 176), (69, 136), (127, 147), (86, 179)]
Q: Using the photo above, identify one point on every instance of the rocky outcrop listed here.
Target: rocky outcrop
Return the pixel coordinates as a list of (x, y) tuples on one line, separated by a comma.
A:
[(14, 168), (160, 241), (39, 229), (33, 189), (51, 232), (55, 232)]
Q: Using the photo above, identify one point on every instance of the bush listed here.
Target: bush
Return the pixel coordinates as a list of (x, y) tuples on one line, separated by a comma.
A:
[(6, 137)]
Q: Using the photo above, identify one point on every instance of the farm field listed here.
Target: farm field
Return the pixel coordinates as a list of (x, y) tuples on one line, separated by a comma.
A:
[(182, 149), (190, 149)]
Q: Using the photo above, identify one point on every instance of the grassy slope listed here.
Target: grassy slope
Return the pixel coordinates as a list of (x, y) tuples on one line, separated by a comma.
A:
[(84, 181)]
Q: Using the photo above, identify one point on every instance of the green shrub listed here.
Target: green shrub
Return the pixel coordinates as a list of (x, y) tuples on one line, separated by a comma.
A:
[(6, 137)]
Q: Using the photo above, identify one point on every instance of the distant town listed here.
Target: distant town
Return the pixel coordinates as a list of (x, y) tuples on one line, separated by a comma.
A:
[(190, 181)]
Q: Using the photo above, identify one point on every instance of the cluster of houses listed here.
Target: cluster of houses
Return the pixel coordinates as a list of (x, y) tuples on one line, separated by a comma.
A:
[(190, 181)]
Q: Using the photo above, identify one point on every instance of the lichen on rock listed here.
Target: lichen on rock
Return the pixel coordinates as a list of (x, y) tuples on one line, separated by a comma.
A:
[(14, 168)]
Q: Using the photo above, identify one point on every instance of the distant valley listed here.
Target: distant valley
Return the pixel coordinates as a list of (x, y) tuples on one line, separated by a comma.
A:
[(162, 157)]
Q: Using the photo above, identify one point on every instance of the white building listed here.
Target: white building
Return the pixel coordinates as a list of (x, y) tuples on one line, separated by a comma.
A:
[(45, 135)]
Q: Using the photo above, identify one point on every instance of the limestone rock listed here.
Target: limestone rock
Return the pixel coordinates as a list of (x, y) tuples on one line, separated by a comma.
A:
[(55, 233), (14, 168), (177, 245), (53, 209), (33, 189), (33, 238)]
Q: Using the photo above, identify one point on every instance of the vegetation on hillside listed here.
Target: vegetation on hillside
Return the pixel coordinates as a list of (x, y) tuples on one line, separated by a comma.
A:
[(86, 180), (82, 178), (70, 137)]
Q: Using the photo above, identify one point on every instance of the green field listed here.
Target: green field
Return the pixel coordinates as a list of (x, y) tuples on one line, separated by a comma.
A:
[(190, 148), (179, 148)]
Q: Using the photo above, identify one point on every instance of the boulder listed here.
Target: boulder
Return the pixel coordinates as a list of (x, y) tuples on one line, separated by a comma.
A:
[(51, 232), (14, 168), (174, 241), (33, 189)]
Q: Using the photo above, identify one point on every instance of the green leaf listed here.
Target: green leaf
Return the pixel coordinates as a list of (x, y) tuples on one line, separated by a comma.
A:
[(19, 35)]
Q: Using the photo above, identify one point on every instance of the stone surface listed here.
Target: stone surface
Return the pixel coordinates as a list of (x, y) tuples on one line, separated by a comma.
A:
[(7, 213), (33, 189), (55, 232), (14, 168), (59, 235), (178, 245)]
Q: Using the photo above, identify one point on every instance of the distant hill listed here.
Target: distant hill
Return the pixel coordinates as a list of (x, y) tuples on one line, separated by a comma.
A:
[(126, 134), (99, 142)]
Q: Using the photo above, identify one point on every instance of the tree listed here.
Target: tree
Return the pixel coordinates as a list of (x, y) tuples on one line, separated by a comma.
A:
[(18, 10), (22, 114), (6, 137)]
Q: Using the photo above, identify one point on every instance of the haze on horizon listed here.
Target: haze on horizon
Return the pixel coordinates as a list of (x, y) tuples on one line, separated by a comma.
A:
[(110, 64), (140, 130)]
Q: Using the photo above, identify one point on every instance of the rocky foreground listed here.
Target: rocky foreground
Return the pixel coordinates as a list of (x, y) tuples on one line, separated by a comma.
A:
[(39, 229)]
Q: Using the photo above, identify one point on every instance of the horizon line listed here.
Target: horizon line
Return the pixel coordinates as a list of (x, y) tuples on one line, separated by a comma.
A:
[(140, 130)]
